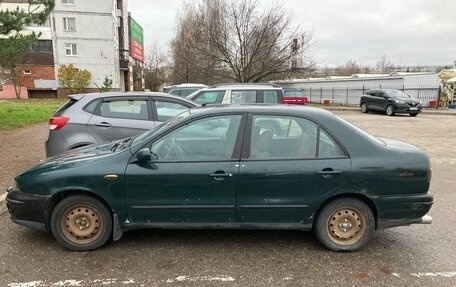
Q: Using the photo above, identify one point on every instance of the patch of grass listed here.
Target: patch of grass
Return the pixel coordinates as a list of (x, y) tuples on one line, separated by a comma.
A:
[(20, 113)]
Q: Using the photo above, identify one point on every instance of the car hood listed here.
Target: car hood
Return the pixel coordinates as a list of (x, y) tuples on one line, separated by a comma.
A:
[(75, 157), (409, 100)]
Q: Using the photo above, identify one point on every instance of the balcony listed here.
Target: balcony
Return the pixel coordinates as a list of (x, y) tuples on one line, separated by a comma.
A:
[(123, 59)]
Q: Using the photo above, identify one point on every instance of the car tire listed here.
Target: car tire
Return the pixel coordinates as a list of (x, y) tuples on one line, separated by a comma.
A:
[(413, 114), (81, 223), (390, 110), (364, 108), (345, 224)]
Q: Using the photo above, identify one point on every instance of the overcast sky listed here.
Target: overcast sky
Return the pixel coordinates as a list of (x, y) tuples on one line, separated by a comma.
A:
[(408, 32)]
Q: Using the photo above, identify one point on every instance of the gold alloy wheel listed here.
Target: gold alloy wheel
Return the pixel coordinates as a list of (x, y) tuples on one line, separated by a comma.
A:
[(346, 226), (81, 224)]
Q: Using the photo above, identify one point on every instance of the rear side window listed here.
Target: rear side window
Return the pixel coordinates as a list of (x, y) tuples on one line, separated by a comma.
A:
[(125, 109), (271, 97), (91, 107), (243, 97), (65, 107)]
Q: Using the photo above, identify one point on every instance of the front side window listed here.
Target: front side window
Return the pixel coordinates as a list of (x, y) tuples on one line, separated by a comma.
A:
[(282, 137), (71, 49), (209, 97), (167, 110), (125, 109), (208, 139), (69, 24)]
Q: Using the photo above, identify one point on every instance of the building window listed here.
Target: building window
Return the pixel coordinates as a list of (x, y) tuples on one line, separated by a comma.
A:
[(71, 49), (68, 2), (41, 46), (27, 72), (69, 24), (45, 24)]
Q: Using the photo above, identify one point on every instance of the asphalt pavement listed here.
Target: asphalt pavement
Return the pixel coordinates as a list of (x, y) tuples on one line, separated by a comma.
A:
[(417, 255)]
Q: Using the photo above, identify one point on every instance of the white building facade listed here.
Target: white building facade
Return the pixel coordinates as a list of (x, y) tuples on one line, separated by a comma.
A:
[(91, 35)]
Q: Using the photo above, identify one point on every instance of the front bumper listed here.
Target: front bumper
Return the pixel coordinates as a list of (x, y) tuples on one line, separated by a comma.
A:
[(405, 108), (27, 209)]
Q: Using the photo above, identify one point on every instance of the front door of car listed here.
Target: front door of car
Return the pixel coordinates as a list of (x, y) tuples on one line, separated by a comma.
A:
[(285, 174), (120, 117), (192, 176)]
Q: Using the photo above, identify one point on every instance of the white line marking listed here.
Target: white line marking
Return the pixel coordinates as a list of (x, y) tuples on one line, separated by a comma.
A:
[(67, 283), (221, 278), (74, 283), (435, 274), (27, 284)]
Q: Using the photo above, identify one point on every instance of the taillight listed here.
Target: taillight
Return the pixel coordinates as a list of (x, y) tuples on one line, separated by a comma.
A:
[(56, 123)]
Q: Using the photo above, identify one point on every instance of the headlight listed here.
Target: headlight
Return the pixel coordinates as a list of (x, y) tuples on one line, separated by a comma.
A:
[(399, 101), (15, 187)]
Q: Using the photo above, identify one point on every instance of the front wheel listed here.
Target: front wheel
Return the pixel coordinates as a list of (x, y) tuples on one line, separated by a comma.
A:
[(81, 223), (345, 224), (413, 114), (364, 108), (390, 110)]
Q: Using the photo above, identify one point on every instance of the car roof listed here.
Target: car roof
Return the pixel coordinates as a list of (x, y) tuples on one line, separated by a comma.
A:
[(132, 94), (265, 108)]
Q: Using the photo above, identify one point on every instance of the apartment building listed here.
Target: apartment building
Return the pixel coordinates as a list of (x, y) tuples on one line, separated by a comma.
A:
[(90, 35)]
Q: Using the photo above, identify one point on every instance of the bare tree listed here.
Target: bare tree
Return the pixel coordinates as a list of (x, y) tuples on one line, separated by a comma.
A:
[(384, 66), (154, 70), (238, 41)]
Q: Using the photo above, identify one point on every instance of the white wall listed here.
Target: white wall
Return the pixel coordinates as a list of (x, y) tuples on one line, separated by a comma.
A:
[(95, 36)]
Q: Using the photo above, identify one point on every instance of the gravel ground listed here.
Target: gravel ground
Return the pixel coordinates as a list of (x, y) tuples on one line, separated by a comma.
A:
[(20, 148)]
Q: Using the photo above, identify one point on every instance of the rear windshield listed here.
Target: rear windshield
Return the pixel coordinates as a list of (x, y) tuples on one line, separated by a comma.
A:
[(65, 106)]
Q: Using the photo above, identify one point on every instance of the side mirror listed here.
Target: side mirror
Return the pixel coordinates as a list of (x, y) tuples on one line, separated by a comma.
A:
[(144, 155)]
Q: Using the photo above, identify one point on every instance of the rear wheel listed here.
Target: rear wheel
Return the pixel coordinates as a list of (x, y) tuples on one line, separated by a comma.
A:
[(81, 223), (390, 110), (345, 224), (364, 108)]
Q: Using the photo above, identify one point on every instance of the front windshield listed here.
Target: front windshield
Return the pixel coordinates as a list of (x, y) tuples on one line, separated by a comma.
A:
[(139, 138), (397, 94)]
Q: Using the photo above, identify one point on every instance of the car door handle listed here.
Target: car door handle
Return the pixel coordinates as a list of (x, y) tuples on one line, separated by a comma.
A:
[(220, 175), (329, 172), (104, 125)]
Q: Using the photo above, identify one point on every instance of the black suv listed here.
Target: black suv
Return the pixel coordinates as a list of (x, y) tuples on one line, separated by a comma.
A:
[(390, 101)]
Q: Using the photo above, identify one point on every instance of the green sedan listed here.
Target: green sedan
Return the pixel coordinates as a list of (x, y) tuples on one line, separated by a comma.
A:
[(243, 167)]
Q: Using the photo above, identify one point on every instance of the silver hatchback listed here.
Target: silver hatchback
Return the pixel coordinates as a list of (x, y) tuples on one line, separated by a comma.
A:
[(98, 117)]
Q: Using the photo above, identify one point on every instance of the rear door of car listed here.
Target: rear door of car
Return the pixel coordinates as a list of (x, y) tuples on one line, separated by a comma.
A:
[(121, 117), (283, 178)]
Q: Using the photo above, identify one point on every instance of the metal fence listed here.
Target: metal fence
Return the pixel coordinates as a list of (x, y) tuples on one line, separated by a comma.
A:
[(352, 95)]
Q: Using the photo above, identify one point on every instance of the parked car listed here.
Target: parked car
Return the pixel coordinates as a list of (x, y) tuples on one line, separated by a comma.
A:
[(218, 167), (183, 90), (239, 93), (93, 118), (391, 102)]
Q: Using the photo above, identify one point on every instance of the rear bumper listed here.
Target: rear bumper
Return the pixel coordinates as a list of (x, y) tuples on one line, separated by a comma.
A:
[(403, 210), (27, 209)]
